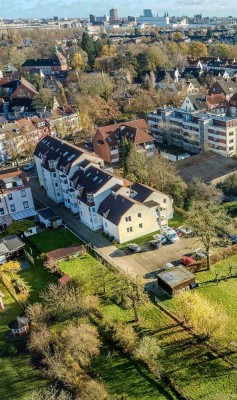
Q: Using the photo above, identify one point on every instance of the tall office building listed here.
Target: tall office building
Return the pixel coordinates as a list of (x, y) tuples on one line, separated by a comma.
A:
[(113, 13), (148, 13)]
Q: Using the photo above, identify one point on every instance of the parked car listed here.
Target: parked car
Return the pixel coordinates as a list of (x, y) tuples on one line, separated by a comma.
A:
[(168, 266), (170, 234), (185, 230), (179, 233), (155, 244), (28, 167), (232, 237), (134, 248), (160, 238), (187, 260), (199, 254)]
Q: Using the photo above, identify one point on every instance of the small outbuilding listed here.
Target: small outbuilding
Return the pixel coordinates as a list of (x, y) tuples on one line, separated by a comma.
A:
[(48, 218), (65, 279), (66, 252), (20, 326), (175, 280), (10, 246)]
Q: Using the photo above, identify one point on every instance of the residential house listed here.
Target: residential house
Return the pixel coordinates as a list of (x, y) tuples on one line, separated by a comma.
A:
[(16, 98), (49, 66), (107, 142), (20, 326), (133, 211), (215, 103), (16, 200), (228, 88)]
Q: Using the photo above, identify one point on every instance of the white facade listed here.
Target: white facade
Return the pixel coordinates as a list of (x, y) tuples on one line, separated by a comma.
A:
[(86, 190), (156, 21), (194, 131), (16, 198)]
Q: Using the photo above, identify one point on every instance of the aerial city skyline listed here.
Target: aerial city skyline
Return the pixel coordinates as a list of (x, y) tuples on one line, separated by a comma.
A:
[(71, 8)]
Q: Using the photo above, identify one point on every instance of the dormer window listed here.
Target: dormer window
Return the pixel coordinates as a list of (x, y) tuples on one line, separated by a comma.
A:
[(90, 198)]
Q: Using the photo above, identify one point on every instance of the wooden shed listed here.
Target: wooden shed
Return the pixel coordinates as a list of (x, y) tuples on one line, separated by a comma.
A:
[(175, 280)]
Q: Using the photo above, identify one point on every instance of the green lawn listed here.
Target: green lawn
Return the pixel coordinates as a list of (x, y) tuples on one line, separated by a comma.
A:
[(199, 373), (177, 221), (36, 279), (50, 240), (17, 378), (141, 240)]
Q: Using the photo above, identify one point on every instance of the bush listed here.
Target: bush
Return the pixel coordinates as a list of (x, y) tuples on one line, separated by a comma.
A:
[(122, 334)]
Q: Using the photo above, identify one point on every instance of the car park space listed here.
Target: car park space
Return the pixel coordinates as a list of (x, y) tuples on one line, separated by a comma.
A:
[(152, 260)]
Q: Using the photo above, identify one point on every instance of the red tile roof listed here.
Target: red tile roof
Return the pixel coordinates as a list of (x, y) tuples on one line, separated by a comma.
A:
[(66, 278), (216, 99), (65, 252), (138, 131)]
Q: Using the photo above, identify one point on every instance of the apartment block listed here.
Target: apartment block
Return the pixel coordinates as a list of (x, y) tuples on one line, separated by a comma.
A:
[(101, 200), (194, 131)]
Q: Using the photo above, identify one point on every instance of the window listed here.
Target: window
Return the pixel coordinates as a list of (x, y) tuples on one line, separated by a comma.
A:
[(9, 196), (164, 200), (106, 224), (127, 219), (140, 226), (139, 215), (56, 184), (12, 208), (93, 209), (23, 193), (58, 194), (54, 174), (129, 229), (1, 211), (25, 204)]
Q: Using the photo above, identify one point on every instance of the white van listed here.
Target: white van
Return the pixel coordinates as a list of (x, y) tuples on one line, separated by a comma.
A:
[(170, 234)]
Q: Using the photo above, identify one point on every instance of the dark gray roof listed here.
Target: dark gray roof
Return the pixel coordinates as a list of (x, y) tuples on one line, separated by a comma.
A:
[(143, 192), (114, 207), (42, 62), (11, 243), (56, 149), (198, 101), (175, 276), (91, 180), (48, 214), (18, 323)]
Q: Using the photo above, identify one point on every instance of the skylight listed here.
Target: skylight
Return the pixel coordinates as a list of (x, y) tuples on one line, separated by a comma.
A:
[(95, 178)]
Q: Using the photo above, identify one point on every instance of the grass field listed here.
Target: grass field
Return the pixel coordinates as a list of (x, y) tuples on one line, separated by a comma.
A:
[(53, 239), (17, 378), (199, 373)]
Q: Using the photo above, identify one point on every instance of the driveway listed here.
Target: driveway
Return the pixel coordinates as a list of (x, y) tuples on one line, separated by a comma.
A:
[(143, 264)]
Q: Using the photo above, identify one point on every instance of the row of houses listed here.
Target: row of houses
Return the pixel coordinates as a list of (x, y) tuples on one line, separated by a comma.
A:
[(20, 137), (103, 201)]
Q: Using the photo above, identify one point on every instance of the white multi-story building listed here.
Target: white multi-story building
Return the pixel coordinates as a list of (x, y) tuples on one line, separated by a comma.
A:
[(16, 200), (102, 200), (56, 161), (194, 131)]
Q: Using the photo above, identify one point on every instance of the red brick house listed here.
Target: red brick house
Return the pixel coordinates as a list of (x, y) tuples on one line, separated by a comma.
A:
[(108, 139)]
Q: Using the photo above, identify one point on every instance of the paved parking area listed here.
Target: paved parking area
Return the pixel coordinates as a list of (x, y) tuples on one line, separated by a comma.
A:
[(152, 260)]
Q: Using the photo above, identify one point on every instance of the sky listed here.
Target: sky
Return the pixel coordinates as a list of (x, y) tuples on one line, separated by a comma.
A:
[(82, 8)]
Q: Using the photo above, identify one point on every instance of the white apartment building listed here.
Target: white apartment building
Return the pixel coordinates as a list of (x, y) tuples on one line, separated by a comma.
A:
[(194, 131), (134, 211), (16, 200), (102, 200), (56, 161)]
